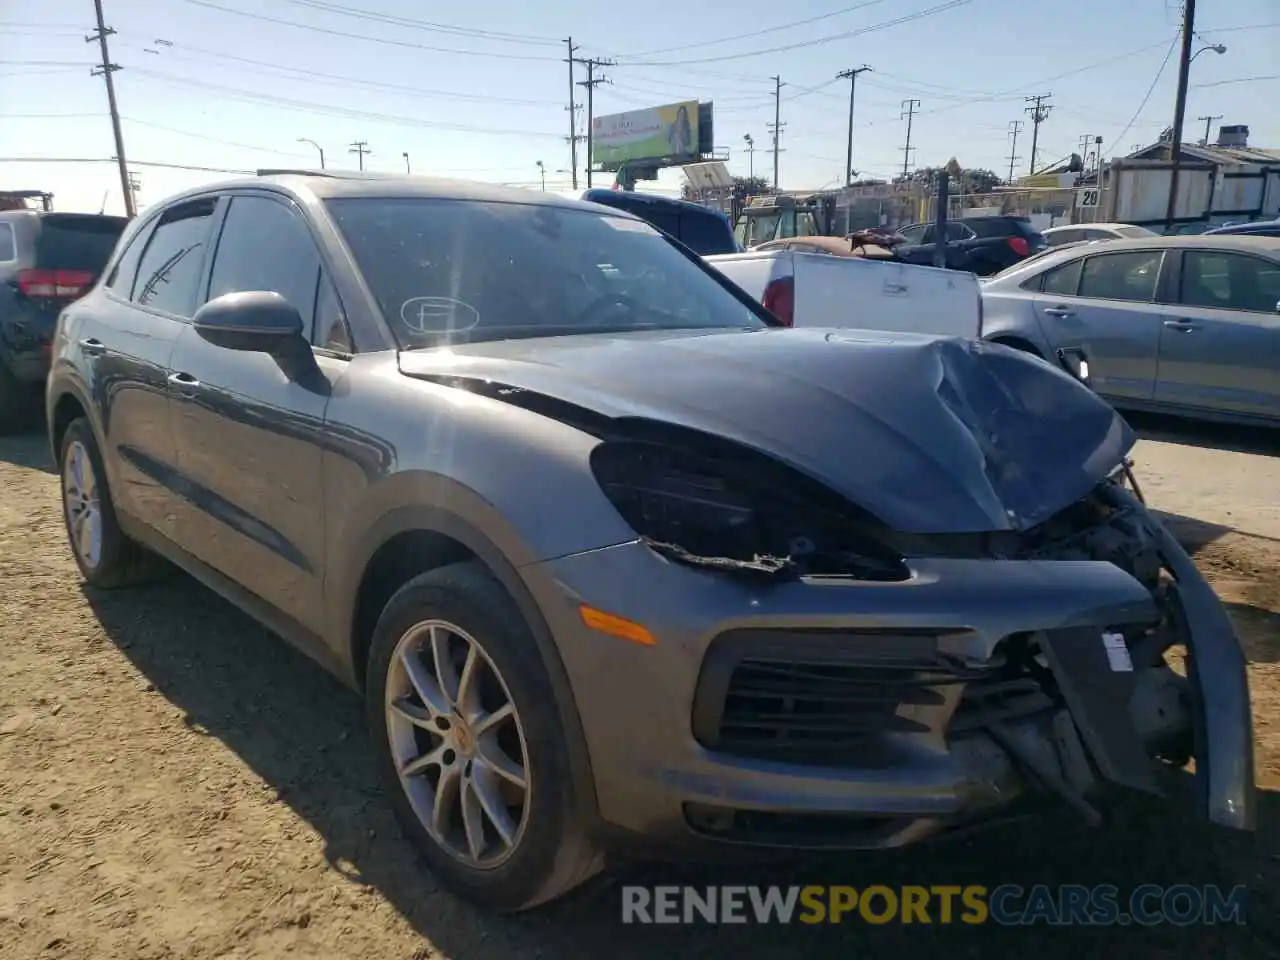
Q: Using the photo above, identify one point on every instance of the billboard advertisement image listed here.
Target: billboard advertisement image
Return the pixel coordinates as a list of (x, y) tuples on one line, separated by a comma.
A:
[(658, 133)]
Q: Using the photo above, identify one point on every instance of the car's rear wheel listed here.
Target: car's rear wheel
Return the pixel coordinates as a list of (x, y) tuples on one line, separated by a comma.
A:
[(463, 721), (106, 557)]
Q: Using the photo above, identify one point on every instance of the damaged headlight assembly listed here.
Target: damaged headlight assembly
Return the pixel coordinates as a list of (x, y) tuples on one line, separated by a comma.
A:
[(738, 512)]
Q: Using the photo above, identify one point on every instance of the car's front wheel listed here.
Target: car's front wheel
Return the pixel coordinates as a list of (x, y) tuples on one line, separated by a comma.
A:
[(462, 715)]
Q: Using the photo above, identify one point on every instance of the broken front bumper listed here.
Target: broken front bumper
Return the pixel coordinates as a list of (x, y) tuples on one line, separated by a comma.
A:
[(677, 753)]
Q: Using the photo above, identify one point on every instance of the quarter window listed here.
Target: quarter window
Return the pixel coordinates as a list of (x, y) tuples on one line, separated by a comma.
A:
[(1229, 282), (8, 249), (265, 245), (1063, 281), (174, 259), (1121, 276)]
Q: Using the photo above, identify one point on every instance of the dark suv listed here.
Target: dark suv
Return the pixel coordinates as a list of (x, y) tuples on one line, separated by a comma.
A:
[(704, 231), (47, 260), (981, 245)]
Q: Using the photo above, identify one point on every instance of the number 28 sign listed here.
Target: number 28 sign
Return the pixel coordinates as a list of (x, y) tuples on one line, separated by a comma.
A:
[(1087, 196)]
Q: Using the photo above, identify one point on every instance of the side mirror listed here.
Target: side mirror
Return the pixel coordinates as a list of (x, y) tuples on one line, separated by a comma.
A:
[(255, 320)]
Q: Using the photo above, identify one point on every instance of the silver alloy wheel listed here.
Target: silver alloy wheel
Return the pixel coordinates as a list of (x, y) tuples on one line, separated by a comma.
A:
[(84, 510), (457, 743)]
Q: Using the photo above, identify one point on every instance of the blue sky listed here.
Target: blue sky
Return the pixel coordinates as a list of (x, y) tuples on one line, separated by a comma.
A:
[(481, 90)]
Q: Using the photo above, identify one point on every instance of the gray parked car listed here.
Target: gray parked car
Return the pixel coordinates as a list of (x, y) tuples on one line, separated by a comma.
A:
[(1187, 325), (619, 564)]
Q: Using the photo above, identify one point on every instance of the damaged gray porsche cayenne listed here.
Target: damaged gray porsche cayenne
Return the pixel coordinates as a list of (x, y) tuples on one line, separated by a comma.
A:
[(619, 564)]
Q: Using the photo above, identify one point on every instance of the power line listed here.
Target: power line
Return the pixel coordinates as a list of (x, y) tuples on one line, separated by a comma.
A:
[(1150, 90), (757, 33), (427, 25), (360, 36), (831, 38), (201, 136), (342, 80), (1220, 83), (313, 107)]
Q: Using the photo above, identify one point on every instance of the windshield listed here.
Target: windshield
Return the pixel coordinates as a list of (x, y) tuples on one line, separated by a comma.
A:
[(449, 271), (77, 243)]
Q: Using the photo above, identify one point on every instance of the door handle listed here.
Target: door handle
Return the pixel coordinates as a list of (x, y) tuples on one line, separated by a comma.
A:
[(184, 381), (92, 347), (1060, 313), (1182, 326)]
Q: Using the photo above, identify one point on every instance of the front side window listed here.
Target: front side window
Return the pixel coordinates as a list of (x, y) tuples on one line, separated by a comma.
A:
[(265, 245), (445, 271), (913, 233), (174, 259), (1121, 276), (1230, 282)]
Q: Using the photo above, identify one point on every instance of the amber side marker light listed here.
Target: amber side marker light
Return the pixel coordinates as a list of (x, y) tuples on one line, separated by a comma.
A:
[(616, 626)]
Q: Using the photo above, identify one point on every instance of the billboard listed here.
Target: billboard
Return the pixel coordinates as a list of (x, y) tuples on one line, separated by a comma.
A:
[(668, 132)]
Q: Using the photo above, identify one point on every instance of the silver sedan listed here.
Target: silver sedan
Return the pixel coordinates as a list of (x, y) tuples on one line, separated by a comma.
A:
[(1187, 325)]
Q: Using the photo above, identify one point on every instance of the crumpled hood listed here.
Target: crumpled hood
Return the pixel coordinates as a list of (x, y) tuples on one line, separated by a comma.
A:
[(931, 435)]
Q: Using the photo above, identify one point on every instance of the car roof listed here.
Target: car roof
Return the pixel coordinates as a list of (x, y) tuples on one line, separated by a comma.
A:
[(1078, 226), (657, 199), (1243, 227), (333, 184), (1243, 243)]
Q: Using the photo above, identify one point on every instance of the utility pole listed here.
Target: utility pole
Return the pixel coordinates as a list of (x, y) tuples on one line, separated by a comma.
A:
[(591, 83), (1180, 108), (852, 76), (1208, 123), (1015, 128), (406, 163), (751, 155), (360, 147), (1039, 112), (573, 116), (908, 114), (777, 126), (105, 69), (543, 171), (1085, 140)]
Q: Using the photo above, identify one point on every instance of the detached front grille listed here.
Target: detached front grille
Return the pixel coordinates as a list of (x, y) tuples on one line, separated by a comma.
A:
[(835, 699)]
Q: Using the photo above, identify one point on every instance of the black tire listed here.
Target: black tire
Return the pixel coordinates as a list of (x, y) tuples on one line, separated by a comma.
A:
[(120, 562), (553, 854)]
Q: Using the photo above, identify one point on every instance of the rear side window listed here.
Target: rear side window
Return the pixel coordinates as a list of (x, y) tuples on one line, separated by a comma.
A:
[(1121, 276), (174, 259), (266, 246), (1229, 281), (8, 248), (706, 234), (77, 243)]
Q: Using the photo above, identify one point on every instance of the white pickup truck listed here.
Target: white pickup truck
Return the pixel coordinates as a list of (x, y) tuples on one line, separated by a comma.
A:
[(821, 290)]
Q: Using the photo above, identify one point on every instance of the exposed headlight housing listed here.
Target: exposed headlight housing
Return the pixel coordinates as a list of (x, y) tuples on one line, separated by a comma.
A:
[(739, 512)]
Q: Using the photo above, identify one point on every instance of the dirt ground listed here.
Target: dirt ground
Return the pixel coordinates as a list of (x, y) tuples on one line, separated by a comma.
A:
[(176, 783)]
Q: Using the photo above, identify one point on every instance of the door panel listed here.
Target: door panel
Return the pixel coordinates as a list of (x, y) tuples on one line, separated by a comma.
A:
[(128, 340), (1112, 318), (249, 431), (249, 427), (1220, 345)]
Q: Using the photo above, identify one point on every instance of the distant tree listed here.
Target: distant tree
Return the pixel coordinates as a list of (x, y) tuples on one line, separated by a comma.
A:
[(962, 179)]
